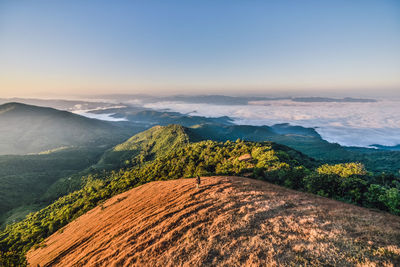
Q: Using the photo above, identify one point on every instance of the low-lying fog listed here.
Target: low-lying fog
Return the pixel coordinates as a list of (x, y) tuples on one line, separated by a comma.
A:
[(349, 124), (79, 109), (104, 117)]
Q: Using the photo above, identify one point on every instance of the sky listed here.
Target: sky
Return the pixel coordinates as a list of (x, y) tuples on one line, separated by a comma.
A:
[(84, 47)]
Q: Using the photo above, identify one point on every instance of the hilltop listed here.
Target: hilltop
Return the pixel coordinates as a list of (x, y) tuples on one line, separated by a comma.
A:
[(140, 148), (228, 221), (31, 129), (152, 143), (168, 153)]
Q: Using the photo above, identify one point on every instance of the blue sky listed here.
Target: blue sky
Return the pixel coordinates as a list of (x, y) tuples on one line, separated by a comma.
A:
[(232, 47)]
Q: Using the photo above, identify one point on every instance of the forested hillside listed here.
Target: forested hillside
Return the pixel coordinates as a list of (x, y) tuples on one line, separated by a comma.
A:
[(30, 129), (142, 147), (261, 160), (24, 179), (305, 140), (145, 146), (42, 146)]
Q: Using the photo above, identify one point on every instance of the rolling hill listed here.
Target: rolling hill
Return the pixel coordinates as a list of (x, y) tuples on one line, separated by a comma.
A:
[(24, 179), (149, 144), (31, 129), (39, 146), (140, 148), (151, 117), (227, 221), (167, 153), (305, 140)]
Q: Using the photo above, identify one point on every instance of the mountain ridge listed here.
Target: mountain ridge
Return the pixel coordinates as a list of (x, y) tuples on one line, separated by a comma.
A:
[(265, 160), (31, 129)]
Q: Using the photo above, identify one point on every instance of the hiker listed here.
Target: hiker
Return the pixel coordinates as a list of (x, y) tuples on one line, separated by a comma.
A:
[(198, 181)]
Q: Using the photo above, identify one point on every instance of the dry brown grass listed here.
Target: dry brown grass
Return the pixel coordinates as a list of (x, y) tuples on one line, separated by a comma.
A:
[(228, 221)]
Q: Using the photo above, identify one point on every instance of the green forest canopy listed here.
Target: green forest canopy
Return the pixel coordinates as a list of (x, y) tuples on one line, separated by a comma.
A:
[(268, 161)]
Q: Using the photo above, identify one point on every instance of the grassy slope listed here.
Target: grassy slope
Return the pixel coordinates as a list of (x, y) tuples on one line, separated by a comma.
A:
[(228, 221)]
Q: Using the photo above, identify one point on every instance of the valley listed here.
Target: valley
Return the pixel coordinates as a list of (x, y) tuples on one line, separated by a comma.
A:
[(199, 133), (84, 176)]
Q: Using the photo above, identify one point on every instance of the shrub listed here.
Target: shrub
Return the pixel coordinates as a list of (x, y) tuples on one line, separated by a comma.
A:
[(326, 185), (391, 199), (352, 189)]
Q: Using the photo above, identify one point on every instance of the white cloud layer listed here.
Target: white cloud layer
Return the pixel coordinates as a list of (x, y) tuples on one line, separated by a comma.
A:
[(100, 116), (349, 124)]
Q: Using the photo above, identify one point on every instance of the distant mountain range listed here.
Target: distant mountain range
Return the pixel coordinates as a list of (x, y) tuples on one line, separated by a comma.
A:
[(107, 101), (31, 129), (387, 148), (327, 99), (61, 104), (231, 100), (148, 117)]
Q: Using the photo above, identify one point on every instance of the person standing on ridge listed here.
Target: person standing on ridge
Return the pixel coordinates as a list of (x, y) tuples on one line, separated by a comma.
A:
[(198, 181)]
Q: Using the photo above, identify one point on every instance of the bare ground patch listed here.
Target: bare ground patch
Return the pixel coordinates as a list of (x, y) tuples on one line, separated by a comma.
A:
[(228, 221)]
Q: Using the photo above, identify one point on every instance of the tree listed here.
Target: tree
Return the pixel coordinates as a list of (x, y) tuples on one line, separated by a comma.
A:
[(343, 169)]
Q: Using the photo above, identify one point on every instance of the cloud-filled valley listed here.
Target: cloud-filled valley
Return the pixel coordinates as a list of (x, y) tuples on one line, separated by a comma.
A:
[(349, 124)]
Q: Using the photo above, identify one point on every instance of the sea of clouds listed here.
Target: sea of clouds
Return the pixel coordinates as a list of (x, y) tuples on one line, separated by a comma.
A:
[(78, 109), (349, 124)]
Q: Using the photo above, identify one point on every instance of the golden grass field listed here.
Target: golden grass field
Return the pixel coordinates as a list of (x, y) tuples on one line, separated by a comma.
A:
[(228, 221)]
